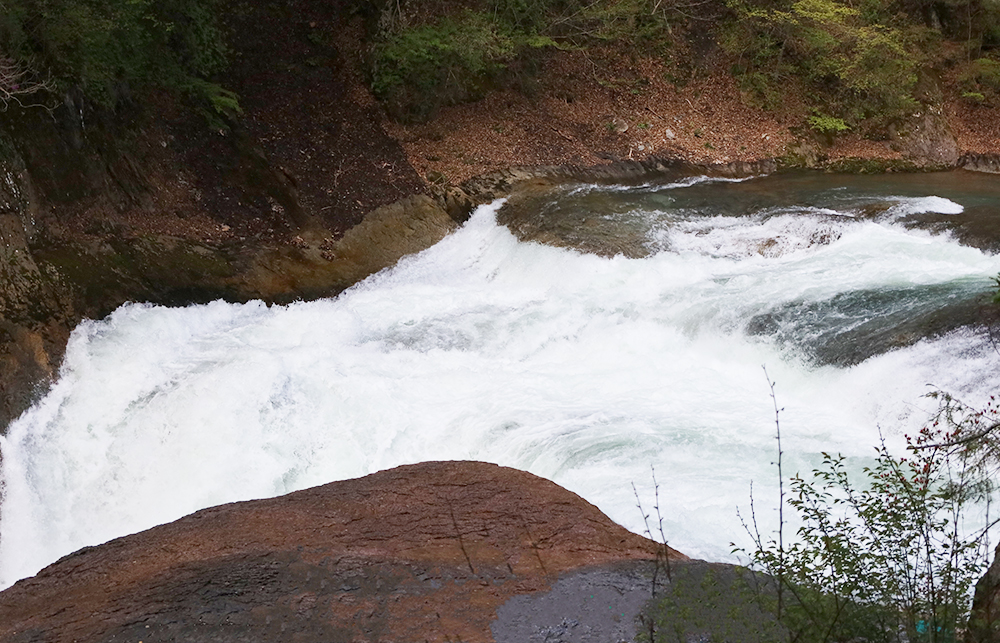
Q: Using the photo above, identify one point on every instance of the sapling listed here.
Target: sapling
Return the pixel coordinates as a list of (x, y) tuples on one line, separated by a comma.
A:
[(662, 550), (887, 560)]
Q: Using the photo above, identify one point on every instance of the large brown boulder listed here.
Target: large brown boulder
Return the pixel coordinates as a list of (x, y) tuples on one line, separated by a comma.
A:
[(425, 552)]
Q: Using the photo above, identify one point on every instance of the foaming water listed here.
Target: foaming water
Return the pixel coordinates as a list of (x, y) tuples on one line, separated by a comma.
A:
[(583, 369)]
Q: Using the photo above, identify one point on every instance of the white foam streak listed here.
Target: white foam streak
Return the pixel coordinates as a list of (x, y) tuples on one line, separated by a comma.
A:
[(685, 182), (582, 369), (921, 205)]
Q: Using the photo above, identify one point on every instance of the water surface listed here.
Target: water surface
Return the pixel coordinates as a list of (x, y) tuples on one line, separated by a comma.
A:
[(585, 367)]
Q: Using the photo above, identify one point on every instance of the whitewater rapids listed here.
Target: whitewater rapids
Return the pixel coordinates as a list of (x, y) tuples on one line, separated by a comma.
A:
[(583, 369)]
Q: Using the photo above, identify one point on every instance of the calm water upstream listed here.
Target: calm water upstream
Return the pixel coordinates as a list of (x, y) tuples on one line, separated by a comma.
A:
[(633, 337)]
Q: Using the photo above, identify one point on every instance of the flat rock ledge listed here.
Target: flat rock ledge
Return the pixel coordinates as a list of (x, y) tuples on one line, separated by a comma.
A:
[(425, 552)]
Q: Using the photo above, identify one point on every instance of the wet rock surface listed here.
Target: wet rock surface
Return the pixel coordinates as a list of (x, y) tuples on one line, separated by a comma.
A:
[(426, 552), (595, 604)]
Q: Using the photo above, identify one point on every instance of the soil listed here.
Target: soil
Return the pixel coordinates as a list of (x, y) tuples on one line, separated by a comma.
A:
[(599, 106), (295, 65)]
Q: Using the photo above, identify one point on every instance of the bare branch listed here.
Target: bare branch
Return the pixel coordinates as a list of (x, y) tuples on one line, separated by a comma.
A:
[(18, 80)]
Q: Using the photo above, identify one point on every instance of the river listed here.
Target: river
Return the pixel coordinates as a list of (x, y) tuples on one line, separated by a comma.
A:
[(635, 338)]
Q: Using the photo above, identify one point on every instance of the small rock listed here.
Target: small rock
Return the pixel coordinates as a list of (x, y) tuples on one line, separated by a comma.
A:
[(670, 134)]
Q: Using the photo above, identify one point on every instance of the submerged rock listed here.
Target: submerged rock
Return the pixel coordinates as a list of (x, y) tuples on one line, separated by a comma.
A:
[(426, 552)]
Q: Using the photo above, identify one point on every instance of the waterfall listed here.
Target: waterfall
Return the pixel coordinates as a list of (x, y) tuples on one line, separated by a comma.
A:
[(587, 370)]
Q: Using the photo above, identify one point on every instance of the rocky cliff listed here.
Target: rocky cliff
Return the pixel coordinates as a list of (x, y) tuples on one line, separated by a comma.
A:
[(146, 202)]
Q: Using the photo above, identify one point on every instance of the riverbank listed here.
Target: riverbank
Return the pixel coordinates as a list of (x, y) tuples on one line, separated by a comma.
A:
[(314, 187), (592, 109)]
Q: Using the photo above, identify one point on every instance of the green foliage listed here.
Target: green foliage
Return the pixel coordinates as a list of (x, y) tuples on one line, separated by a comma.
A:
[(451, 60), (887, 561), (222, 106), (105, 47), (828, 125), (980, 79), (458, 56), (856, 67)]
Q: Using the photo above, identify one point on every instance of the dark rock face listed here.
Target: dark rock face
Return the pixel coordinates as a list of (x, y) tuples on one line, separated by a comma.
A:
[(425, 552), (984, 621), (989, 163), (32, 302), (928, 140), (594, 604)]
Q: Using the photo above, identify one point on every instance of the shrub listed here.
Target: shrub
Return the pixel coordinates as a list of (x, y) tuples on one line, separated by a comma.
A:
[(106, 46), (827, 125), (856, 69), (888, 561), (980, 79), (645, 23), (451, 60), (220, 106), (459, 56)]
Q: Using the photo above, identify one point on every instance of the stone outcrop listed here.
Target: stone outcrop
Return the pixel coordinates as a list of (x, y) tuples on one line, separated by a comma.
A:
[(320, 266), (927, 139), (984, 621), (426, 552), (989, 163)]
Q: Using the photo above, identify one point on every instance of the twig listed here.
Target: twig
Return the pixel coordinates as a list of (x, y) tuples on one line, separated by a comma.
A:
[(17, 81), (781, 493), (659, 519), (560, 133), (645, 520), (654, 113)]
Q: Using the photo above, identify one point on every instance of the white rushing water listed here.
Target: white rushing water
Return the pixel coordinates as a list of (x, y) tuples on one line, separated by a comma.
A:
[(581, 369)]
